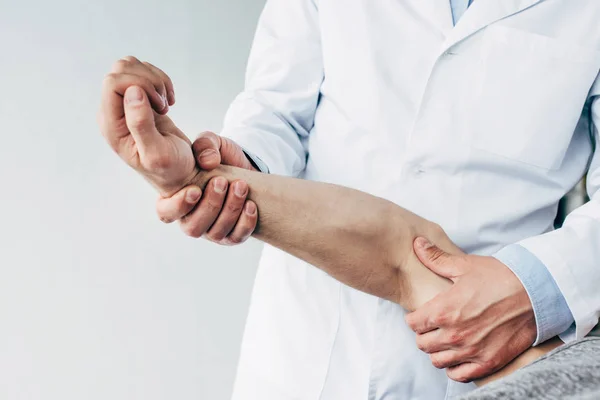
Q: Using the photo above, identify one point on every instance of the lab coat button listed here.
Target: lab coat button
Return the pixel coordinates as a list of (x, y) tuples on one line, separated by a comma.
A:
[(417, 170)]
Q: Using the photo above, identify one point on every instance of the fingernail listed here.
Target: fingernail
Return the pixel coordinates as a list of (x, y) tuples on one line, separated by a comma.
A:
[(206, 155), (250, 208), (220, 185), (134, 95), (240, 189), (422, 243), (172, 96), (193, 195)]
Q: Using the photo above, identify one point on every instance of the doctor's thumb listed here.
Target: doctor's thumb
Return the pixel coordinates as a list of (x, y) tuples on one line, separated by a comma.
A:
[(434, 258), (207, 150)]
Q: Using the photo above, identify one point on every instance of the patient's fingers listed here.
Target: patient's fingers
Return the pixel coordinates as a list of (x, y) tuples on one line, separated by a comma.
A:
[(132, 66), (199, 221), (179, 205), (230, 213), (245, 226), (140, 122), (166, 80), (113, 90)]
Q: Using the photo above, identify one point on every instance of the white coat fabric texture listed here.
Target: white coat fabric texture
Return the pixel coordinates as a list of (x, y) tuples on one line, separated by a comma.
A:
[(481, 127)]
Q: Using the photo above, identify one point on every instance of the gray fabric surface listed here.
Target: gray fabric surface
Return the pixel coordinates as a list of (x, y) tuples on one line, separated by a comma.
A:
[(569, 372)]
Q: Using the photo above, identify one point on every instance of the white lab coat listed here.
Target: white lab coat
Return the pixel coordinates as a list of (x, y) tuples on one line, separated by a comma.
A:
[(481, 128)]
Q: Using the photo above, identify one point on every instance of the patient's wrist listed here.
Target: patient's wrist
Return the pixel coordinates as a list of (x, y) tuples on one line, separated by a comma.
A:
[(202, 177)]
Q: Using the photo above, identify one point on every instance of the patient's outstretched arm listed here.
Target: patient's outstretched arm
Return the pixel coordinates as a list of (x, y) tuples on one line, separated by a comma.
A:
[(361, 240)]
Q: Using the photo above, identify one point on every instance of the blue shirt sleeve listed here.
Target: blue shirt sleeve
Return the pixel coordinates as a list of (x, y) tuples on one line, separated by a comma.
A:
[(552, 314)]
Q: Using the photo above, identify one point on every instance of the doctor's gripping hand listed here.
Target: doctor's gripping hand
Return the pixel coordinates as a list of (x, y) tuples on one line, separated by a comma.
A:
[(238, 217), (481, 323)]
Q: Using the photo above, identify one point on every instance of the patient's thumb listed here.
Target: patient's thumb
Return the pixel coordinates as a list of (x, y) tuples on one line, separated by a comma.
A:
[(139, 118), (434, 258)]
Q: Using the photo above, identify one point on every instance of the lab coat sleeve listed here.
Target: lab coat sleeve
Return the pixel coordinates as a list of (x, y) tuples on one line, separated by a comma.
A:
[(572, 253), (272, 117)]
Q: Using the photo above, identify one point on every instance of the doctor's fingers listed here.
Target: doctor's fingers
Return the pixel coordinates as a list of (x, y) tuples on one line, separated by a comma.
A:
[(162, 84), (434, 314), (211, 150), (245, 226), (230, 213), (438, 340), (449, 358), (469, 371), (451, 337), (170, 209), (203, 216), (207, 150), (183, 202)]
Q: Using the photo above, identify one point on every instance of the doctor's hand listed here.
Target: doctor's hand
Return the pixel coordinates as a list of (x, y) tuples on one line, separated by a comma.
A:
[(135, 98), (221, 216), (480, 324)]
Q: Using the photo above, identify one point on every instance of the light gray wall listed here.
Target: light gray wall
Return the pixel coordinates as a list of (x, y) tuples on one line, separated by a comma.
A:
[(99, 300)]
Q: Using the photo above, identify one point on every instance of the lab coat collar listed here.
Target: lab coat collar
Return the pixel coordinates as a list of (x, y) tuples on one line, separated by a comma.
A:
[(481, 14)]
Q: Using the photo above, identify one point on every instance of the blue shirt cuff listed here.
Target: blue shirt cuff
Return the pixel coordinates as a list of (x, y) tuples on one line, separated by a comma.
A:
[(256, 161), (552, 314)]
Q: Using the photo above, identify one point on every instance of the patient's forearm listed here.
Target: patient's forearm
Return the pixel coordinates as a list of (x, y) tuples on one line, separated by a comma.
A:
[(363, 241)]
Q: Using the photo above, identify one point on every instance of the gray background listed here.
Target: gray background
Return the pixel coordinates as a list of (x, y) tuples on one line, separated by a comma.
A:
[(99, 300)]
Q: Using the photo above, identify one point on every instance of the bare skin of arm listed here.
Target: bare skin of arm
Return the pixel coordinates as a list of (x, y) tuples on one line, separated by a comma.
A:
[(361, 240)]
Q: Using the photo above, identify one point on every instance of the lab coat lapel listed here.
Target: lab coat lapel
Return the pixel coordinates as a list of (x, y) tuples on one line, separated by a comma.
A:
[(483, 13)]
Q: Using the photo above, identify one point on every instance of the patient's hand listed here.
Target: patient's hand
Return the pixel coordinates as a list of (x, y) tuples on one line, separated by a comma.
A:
[(135, 97)]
